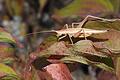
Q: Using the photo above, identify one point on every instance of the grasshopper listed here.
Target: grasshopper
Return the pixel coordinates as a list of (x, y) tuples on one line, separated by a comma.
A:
[(79, 31)]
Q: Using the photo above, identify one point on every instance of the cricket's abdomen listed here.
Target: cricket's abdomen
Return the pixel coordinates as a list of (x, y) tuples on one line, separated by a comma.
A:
[(80, 30)]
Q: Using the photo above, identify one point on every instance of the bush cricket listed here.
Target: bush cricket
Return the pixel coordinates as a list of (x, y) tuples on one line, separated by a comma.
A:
[(78, 31)]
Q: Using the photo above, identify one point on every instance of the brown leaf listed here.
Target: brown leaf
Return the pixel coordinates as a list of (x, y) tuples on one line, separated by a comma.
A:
[(85, 47), (109, 40), (112, 42), (52, 54), (58, 48), (46, 43), (6, 51)]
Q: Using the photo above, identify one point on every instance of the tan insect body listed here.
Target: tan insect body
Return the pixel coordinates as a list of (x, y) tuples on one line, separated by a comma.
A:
[(75, 30)]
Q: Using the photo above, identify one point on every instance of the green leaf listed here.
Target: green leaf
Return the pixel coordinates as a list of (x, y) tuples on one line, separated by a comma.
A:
[(6, 37), (117, 67), (8, 60), (116, 5), (103, 25), (14, 7), (83, 7), (84, 60), (10, 77)]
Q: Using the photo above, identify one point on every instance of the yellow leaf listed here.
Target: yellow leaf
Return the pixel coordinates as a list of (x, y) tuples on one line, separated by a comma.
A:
[(6, 69)]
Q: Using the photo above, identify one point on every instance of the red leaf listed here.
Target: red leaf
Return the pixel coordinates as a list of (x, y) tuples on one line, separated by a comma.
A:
[(59, 71), (2, 74), (104, 75)]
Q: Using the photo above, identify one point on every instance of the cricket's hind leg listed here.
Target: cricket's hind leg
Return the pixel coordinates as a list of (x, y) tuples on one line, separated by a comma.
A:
[(75, 23), (80, 24), (99, 18)]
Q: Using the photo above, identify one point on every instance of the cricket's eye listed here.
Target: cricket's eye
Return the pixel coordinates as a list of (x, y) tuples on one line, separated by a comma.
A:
[(108, 30), (62, 35)]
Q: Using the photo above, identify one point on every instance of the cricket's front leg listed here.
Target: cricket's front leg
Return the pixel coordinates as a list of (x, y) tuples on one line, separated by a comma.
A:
[(65, 36), (61, 36), (67, 27)]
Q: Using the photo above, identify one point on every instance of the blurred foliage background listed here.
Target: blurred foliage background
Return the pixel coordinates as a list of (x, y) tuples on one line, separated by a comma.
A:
[(22, 17)]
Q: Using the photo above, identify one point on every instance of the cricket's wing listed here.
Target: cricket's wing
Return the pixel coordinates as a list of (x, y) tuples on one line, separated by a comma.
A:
[(84, 32)]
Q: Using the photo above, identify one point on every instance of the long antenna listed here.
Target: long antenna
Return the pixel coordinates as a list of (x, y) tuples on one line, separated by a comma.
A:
[(40, 32)]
